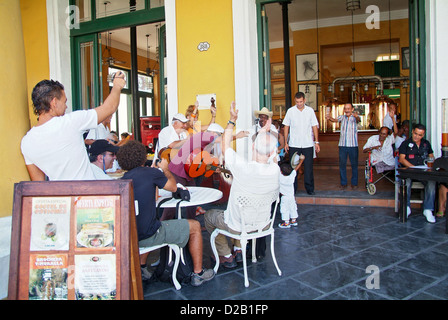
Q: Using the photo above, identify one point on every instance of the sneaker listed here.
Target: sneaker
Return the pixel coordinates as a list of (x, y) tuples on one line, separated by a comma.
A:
[(228, 263), (293, 223), (429, 216), (284, 225), (146, 274), (409, 211), (199, 278), (238, 254)]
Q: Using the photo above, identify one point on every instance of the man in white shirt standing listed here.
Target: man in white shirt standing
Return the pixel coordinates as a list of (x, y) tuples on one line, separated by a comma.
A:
[(55, 146), (102, 157), (301, 125), (390, 117)]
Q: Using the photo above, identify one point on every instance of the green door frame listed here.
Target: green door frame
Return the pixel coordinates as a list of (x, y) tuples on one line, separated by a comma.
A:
[(264, 61), (417, 48), (89, 31), (76, 70)]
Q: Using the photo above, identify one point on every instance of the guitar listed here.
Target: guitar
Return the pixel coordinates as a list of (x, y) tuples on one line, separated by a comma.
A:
[(202, 163), (167, 154)]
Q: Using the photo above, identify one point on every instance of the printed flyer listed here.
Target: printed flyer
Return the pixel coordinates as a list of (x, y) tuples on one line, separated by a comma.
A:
[(95, 277), (95, 222), (50, 224), (48, 277)]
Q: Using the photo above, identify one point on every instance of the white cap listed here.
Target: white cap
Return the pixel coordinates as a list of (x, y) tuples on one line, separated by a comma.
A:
[(214, 127), (180, 117)]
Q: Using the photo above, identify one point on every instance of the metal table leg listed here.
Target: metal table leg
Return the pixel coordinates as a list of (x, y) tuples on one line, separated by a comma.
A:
[(403, 205)]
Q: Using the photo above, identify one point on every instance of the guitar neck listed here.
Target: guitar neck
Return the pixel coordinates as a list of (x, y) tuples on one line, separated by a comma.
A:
[(214, 168)]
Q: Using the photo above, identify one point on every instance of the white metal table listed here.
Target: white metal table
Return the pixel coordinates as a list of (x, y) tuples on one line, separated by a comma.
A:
[(198, 196)]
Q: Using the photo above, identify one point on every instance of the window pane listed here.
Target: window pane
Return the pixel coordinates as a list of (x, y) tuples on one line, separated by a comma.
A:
[(157, 3), (114, 7), (85, 13), (87, 78)]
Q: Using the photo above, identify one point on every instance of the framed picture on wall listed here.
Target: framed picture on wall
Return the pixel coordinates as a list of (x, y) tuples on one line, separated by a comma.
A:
[(307, 67), (279, 108), (311, 95), (405, 58), (277, 71), (278, 89)]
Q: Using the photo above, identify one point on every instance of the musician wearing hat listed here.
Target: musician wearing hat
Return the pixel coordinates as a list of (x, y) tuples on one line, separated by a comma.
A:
[(261, 118), (173, 136)]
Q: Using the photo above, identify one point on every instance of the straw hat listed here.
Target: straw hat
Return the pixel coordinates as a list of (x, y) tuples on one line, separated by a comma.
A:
[(264, 111)]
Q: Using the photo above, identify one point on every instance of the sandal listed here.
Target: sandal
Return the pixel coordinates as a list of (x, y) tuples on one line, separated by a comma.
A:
[(440, 214)]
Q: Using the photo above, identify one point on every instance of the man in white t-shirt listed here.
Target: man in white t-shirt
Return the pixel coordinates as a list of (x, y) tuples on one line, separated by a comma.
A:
[(102, 156), (303, 129), (390, 117), (55, 147), (259, 176)]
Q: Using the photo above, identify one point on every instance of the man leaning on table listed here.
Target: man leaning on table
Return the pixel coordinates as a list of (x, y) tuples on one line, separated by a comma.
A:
[(55, 146), (413, 152), (151, 231)]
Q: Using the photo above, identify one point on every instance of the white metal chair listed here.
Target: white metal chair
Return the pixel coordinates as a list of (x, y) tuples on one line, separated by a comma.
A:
[(263, 203), (174, 248)]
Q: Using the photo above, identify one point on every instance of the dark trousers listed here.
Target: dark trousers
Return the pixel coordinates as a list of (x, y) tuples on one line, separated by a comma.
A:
[(352, 154), (307, 166)]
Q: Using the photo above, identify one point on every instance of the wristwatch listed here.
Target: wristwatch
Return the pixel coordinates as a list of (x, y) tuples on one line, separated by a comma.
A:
[(316, 142)]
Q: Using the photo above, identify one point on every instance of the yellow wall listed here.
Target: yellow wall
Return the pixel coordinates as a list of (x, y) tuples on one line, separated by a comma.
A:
[(211, 71), (14, 121), (35, 35)]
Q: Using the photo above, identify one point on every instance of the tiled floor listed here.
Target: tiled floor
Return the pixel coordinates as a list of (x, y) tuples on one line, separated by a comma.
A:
[(327, 255)]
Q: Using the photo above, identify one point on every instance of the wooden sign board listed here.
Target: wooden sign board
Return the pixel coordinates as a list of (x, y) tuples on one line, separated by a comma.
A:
[(74, 241)]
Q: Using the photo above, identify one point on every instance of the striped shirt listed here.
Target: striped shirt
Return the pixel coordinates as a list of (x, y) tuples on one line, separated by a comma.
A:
[(349, 131)]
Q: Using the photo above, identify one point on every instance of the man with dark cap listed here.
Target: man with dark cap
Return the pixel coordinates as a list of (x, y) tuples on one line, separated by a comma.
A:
[(102, 156)]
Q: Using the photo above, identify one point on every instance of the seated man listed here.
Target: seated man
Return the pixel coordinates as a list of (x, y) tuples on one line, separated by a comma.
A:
[(151, 231), (102, 157), (173, 136), (381, 147), (259, 176), (413, 152)]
